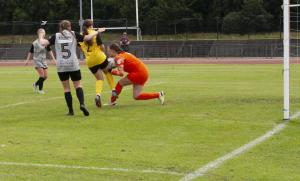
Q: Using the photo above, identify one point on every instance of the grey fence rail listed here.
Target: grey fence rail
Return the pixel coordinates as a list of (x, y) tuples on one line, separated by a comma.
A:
[(268, 49), (193, 51)]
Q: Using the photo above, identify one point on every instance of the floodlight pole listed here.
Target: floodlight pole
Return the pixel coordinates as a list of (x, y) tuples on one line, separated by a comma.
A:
[(92, 11), (137, 20), (286, 62)]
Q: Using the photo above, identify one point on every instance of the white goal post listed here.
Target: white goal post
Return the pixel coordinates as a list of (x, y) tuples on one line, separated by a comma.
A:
[(286, 62), (291, 37), (137, 27)]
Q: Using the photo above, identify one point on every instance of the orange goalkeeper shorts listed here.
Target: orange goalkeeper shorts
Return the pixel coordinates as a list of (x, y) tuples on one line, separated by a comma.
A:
[(138, 78)]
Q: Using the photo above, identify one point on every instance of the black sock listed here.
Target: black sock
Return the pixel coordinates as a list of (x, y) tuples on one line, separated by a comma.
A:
[(37, 83), (41, 83), (68, 97), (80, 96)]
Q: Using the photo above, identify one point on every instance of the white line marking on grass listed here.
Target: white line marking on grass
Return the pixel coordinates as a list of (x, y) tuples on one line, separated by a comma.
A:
[(14, 105), (219, 161), (54, 98), (150, 171), (296, 115), (89, 168)]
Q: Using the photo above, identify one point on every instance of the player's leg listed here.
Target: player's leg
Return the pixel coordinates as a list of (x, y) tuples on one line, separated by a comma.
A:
[(139, 80), (45, 73), (64, 78), (45, 76), (110, 80), (97, 72), (99, 87), (139, 95), (111, 83), (68, 96), (44, 67), (76, 78), (39, 83), (123, 82), (99, 81), (107, 71)]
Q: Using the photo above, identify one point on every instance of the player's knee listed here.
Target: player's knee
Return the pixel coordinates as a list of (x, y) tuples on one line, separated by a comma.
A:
[(78, 85), (67, 90)]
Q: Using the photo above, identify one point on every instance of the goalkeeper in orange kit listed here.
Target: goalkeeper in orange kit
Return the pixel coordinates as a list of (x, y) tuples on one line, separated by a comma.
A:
[(137, 75)]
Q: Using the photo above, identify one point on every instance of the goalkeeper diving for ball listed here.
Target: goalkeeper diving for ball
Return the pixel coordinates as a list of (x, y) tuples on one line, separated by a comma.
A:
[(137, 75)]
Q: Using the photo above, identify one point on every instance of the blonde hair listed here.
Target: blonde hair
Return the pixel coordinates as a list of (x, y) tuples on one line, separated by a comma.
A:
[(65, 25), (39, 31)]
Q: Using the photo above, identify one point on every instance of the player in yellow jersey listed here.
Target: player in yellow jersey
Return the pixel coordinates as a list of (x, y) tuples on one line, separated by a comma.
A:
[(96, 60)]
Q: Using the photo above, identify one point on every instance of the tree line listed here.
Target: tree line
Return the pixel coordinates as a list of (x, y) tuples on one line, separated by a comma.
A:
[(227, 16)]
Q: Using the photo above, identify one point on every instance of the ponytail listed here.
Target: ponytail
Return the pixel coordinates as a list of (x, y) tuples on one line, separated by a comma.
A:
[(88, 23)]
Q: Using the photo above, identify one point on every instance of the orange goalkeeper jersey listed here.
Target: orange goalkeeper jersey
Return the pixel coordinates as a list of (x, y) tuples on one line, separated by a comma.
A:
[(130, 63)]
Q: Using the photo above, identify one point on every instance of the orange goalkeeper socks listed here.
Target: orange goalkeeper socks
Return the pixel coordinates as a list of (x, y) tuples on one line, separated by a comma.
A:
[(118, 88), (147, 96)]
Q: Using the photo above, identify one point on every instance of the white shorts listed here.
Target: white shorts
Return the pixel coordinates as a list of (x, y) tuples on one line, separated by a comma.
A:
[(40, 64)]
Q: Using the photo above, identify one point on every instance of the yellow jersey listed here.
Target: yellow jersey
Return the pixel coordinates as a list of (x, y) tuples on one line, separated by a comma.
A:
[(93, 53)]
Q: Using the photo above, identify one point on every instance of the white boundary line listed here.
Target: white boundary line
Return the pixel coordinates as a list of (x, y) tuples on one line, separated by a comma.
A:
[(14, 105), (219, 161), (190, 176), (296, 115), (39, 165), (54, 98)]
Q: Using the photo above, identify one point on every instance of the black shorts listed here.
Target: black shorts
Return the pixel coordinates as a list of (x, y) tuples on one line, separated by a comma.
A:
[(75, 75), (100, 66), (45, 68)]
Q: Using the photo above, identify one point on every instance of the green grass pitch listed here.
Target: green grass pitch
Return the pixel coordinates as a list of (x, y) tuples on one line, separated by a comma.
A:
[(210, 110)]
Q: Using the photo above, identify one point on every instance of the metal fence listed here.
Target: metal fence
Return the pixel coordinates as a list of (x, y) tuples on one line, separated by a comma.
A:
[(217, 51), (179, 50)]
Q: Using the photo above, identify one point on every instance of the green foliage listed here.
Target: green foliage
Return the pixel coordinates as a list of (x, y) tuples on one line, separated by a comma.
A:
[(255, 15), (232, 23), (250, 19)]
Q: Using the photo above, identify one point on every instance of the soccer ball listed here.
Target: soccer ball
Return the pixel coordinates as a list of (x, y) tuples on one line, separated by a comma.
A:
[(111, 63)]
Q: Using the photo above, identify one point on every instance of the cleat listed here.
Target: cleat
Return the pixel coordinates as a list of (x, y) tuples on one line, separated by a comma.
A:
[(113, 103), (162, 98), (70, 114), (84, 110), (98, 101), (41, 92), (35, 88), (113, 99)]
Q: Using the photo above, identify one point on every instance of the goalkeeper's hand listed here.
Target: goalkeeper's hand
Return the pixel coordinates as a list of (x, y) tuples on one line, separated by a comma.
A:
[(117, 73)]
